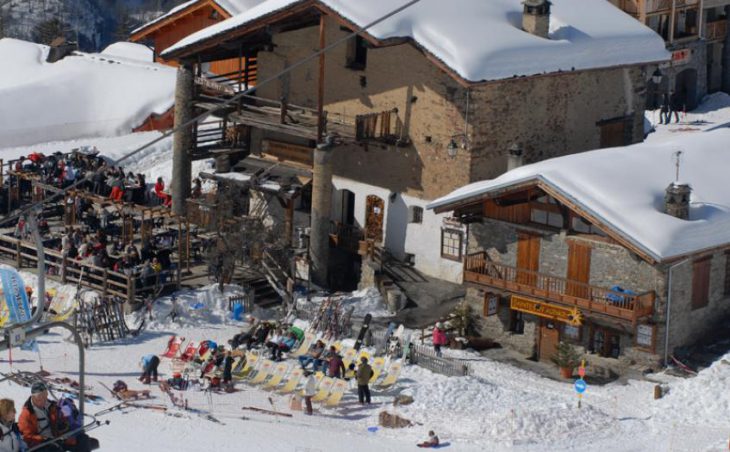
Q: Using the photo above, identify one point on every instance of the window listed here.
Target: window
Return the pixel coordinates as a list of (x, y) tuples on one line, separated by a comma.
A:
[(491, 304), (701, 282), (571, 333), (517, 323), (415, 214), (451, 244), (357, 53), (578, 224)]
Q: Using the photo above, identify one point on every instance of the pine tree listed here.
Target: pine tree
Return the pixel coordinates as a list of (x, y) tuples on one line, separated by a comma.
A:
[(46, 31)]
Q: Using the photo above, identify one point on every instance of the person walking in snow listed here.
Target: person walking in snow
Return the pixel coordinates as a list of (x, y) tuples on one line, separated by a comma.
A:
[(439, 338), (149, 368), (174, 311), (364, 374), (310, 389)]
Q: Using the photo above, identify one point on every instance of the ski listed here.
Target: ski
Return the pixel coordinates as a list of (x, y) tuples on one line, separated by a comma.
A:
[(363, 331), (271, 412)]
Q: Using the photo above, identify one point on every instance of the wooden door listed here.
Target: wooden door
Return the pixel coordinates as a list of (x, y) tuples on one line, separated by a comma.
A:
[(374, 213), (549, 338), (579, 270), (613, 134), (528, 258)]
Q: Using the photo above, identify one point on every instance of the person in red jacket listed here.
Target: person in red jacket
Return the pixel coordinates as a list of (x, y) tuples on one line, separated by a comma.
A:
[(439, 338), (160, 192)]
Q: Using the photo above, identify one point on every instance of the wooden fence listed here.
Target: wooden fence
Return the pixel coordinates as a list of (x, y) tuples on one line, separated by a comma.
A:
[(60, 268), (424, 356)]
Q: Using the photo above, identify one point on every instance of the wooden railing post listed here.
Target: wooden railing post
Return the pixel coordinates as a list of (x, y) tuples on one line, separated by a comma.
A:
[(130, 289), (105, 282), (64, 263)]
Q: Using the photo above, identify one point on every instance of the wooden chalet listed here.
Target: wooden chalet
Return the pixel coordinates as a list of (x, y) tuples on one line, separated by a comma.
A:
[(563, 257), (193, 16)]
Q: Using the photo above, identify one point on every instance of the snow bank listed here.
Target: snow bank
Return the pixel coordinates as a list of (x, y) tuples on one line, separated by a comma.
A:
[(483, 40), (82, 95), (625, 188), (130, 51)]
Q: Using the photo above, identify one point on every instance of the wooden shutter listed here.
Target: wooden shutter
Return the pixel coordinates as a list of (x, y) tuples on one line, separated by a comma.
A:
[(701, 282), (528, 258), (579, 270)]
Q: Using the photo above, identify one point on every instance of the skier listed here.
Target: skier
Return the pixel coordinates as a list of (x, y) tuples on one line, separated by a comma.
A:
[(439, 338), (10, 438), (364, 374), (174, 311), (149, 365), (433, 440)]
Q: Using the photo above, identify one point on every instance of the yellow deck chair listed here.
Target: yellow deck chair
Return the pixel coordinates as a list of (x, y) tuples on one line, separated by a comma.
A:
[(304, 346), (363, 354), (243, 366), (378, 366), (276, 376), (263, 372), (348, 356), (392, 376), (338, 390), (291, 384), (325, 387)]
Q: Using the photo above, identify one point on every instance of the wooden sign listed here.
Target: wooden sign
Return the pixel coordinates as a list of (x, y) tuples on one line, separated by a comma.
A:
[(681, 56), (491, 304), (571, 316)]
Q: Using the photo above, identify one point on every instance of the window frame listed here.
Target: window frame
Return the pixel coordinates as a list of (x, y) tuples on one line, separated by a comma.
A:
[(458, 247), (415, 214)]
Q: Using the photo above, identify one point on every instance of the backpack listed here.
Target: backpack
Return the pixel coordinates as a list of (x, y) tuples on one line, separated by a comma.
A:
[(69, 413)]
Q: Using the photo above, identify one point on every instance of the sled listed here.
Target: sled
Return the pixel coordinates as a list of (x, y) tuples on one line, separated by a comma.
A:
[(173, 347), (392, 377)]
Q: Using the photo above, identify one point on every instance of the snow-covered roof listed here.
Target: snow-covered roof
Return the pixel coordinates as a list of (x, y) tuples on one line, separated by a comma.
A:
[(624, 188), (232, 7), (483, 40), (82, 95)]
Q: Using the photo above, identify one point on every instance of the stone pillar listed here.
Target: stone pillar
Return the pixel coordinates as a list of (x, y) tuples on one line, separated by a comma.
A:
[(725, 61), (321, 207), (182, 142)]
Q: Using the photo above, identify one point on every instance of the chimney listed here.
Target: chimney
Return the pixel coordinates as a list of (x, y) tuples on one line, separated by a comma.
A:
[(536, 17), (514, 158), (676, 200)]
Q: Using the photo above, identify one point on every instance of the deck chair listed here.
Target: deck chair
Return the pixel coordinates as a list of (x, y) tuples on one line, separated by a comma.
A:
[(263, 372), (173, 347), (291, 384), (243, 366), (392, 376), (177, 366), (303, 346), (204, 350), (378, 366), (348, 356), (338, 390), (325, 387), (189, 353), (276, 376)]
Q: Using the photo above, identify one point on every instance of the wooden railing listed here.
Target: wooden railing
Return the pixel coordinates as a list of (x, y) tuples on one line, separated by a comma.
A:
[(202, 212), (60, 268), (479, 269), (716, 31)]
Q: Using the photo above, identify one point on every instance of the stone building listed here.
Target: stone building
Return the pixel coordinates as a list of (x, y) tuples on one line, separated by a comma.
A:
[(428, 101), (582, 249), (696, 33)]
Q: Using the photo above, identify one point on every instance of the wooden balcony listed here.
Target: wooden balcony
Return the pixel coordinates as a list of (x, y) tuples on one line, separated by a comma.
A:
[(634, 7), (478, 269), (716, 31)]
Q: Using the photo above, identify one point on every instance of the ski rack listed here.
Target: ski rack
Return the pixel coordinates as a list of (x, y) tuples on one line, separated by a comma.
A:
[(102, 319)]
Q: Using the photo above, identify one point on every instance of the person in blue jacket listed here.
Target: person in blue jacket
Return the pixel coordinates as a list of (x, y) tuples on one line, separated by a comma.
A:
[(149, 368)]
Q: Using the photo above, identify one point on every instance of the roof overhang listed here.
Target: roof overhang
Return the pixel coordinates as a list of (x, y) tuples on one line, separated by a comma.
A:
[(157, 24)]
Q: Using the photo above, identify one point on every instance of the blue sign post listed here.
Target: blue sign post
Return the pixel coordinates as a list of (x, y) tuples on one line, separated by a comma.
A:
[(580, 388)]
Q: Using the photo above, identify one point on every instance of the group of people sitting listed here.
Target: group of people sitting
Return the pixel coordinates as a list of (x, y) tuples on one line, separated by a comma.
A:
[(44, 425)]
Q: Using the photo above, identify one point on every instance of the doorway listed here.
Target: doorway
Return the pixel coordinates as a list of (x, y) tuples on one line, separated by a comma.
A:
[(548, 340), (685, 89), (348, 207), (374, 213)]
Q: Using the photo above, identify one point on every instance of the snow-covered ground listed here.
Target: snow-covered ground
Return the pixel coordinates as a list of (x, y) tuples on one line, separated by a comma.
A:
[(712, 113), (500, 407)]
